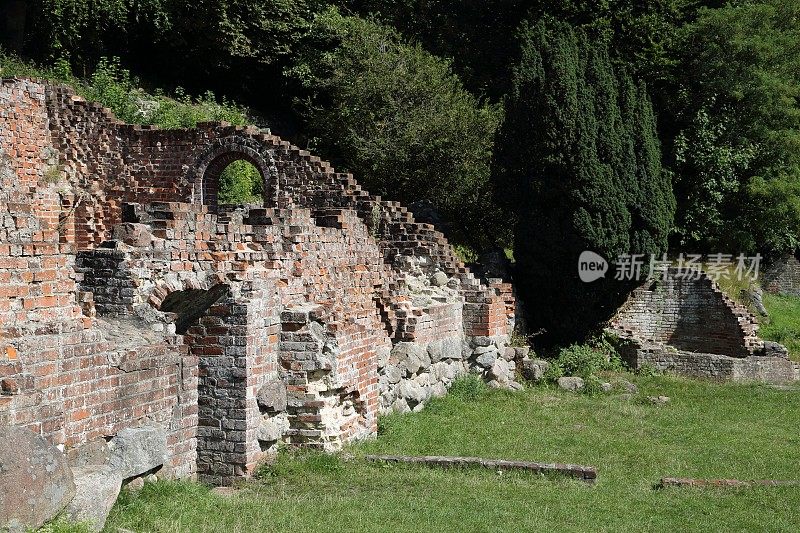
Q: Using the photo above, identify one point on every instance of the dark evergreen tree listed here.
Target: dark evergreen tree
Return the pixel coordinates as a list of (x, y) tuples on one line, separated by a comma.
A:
[(579, 163)]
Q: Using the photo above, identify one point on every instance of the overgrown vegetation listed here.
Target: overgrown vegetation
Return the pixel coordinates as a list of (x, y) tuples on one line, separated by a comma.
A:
[(633, 444), (114, 87), (783, 324), (418, 99), (398, 118)]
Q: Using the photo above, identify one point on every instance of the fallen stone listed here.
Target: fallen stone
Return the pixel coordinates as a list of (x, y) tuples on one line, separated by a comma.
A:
[(135, 484), (400, 406), (584, 473), (775, 349), (412, 391), (35, 480), (135, 451), (406, 356), (500, 370), (486, 360), (272, 429), (94, 452), (534, 369), (481, 341), (572, 384), (439, 279), (393, 374), (272, 396), (606, 387), (658, 400), (725, 483), (626, 386), (96, 490), (480, 350), (513, 385)]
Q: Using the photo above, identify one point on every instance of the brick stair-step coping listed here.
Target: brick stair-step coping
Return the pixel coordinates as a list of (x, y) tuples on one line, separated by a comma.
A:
[(583, 473)]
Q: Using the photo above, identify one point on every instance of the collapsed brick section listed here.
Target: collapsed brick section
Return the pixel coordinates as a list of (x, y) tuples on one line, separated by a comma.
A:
[(686, 324), (128, 297)]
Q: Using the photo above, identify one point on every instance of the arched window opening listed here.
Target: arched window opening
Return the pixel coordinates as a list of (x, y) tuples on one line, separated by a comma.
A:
[(240, 183)]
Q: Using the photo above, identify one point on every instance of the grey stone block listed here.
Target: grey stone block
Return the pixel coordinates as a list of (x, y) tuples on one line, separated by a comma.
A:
[(135, 451), (35, 480), (96, 490)]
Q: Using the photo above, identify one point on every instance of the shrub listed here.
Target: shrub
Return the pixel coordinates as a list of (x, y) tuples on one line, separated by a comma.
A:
[(585, 360), (399, 119), (114, 87), (468, 388)]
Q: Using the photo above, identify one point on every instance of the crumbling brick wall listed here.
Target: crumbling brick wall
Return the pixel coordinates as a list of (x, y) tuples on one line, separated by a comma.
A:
[(128, 297), (690, 313), (783, 277), (684, 323)]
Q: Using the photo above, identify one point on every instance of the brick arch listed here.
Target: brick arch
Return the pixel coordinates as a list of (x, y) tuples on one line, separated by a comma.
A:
[(221, 153)]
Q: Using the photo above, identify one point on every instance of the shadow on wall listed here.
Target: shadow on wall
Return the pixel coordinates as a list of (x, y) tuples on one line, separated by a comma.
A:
[(190, 304)]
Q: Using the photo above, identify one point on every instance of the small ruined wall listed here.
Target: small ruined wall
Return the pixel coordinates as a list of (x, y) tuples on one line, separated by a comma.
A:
[(689, 313), (687, 325), (783, 277), (129, 298)]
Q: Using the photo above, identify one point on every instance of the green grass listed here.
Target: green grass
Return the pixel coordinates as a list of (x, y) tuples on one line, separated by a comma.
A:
[(707, 430), (783, 324)]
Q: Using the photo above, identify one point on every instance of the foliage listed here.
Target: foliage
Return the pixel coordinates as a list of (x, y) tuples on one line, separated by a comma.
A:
[(478, 36), (468, 388), (579, 163), (83, 28), (61, 524), (586, 360), (398, 118), (783, 324), (114, 87), (737, 108), (237, 36), (240, 183)]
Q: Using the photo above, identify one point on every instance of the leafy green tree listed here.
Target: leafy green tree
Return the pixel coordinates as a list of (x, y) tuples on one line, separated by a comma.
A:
[(579, 162), (737, 109), (239, 183), (399, 119), (480, 37), (85, 30)]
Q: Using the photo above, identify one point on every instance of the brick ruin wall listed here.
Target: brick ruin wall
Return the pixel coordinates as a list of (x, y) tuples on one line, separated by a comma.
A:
[(783, 277), (129, 298), (686, 324)]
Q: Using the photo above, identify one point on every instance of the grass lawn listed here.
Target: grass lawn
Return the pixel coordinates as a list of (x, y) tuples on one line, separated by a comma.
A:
[(707, 430), (783, 324)]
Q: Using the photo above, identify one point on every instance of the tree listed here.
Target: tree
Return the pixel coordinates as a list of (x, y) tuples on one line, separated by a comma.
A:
[(578, 162), (399, 119), (737, 112)]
